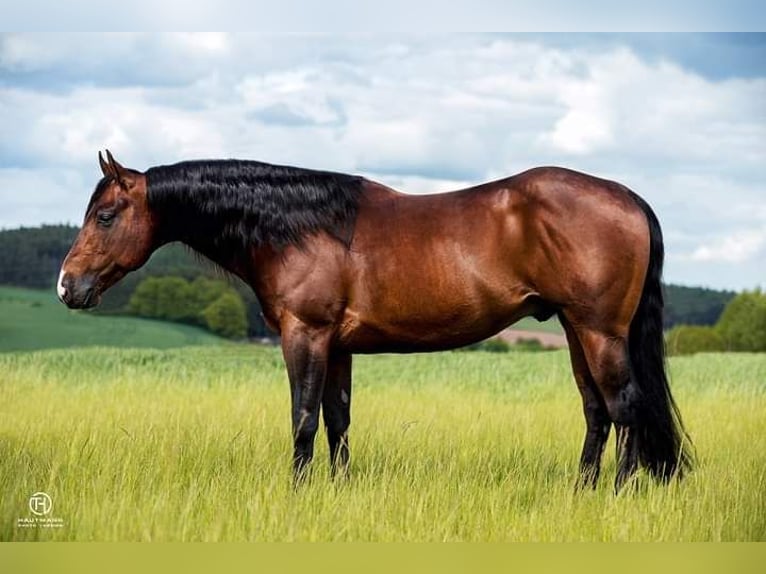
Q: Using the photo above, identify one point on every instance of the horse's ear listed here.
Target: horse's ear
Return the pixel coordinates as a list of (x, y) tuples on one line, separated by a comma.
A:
[(123, 176), (105, 168)]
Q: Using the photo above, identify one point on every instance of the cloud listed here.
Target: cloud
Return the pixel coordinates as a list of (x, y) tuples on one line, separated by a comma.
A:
[(419, 113), (737, 248), (31, 196), (290, 98)]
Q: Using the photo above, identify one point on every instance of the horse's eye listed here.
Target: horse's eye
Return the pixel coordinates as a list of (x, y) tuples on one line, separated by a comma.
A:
[(105, 218)]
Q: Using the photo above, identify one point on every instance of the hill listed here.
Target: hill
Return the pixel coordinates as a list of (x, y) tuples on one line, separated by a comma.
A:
[(32, 319), (694, 305)]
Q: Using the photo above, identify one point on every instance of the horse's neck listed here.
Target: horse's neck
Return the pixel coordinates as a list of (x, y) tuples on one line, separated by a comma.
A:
[(175, 228), (228, 229)]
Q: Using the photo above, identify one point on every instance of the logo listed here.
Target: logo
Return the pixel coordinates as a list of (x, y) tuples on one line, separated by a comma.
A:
[(40, 506), (40, 503)]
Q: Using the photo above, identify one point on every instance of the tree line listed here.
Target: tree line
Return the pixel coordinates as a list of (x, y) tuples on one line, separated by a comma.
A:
[(741, 327)]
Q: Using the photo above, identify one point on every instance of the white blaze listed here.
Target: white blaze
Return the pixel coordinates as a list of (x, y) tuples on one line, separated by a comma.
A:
[(60, 286)]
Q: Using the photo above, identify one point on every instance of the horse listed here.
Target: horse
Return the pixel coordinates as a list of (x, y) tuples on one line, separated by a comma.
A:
[(344, 265)]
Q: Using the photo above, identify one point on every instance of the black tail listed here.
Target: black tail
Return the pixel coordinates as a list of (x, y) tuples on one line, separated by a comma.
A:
[(665, 448)]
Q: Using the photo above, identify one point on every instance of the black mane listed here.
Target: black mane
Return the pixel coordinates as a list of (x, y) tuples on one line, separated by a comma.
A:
[(236, 204)]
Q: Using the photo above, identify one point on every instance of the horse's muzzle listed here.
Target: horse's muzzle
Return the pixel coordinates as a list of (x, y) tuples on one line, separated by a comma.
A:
[(78, 292)]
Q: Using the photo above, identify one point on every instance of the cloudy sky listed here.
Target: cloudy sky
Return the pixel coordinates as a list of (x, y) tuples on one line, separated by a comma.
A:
[(679, 118)]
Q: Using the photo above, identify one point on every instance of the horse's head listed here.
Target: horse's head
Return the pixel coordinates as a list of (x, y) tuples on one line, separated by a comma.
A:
[(118, 235)]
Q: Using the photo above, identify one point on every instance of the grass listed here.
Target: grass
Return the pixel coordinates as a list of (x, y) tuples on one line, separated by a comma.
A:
[(193, 444), (31, 319)]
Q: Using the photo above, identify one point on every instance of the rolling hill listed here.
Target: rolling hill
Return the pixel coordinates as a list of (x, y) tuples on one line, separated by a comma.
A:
[(31, 319)]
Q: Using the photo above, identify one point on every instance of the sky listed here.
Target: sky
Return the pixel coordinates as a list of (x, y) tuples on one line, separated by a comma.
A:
[(679, 118)]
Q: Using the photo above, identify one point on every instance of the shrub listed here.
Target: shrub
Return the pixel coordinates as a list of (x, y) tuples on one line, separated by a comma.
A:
[(163, 298), (226, 316), (207, 302), (530, 345), (742, 325), (689, 339)]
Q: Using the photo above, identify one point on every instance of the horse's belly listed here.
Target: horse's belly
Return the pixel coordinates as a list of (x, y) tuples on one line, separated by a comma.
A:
[(429, 323), (431, 291)]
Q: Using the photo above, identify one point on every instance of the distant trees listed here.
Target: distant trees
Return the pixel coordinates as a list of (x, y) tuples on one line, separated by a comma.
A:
[(210, 303), (741, 327), (694, 305), (31, 257), (226, 316), (163, 298), (689, 339)]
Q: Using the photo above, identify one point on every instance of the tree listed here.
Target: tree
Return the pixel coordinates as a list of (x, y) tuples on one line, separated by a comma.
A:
[(206, 290), (143, 302), (163, 298), (210, 303), (227, 316), (742, 325), (175, 301)]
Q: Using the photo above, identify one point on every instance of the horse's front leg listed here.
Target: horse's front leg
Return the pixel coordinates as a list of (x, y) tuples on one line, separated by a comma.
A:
[(306, 351)]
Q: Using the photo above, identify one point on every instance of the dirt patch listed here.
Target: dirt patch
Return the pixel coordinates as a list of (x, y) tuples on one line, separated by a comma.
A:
[(546, 339)]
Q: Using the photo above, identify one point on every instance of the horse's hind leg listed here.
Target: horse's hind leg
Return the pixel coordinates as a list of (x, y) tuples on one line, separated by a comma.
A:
[(609, 365), (596, 416), (336, 410)]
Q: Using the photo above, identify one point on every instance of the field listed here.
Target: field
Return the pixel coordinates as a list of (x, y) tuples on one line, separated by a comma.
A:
[(31, 319), (193, 444)]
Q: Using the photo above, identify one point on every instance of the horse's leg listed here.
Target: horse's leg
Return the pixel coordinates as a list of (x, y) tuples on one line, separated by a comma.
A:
[(336, 410), (607, 358), (306, 351), (596, 416)]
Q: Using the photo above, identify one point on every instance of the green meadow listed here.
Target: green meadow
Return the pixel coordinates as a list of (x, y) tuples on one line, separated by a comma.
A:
[(32, 319), (194, 444)]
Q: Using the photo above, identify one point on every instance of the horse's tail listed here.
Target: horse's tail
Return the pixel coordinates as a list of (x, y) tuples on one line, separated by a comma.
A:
[(664, 447)]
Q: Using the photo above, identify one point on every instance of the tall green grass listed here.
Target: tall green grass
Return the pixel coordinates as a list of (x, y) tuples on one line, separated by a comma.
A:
[(194, 444)]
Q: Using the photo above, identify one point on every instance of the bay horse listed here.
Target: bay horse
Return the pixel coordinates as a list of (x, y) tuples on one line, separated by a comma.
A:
[(344, 265)]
